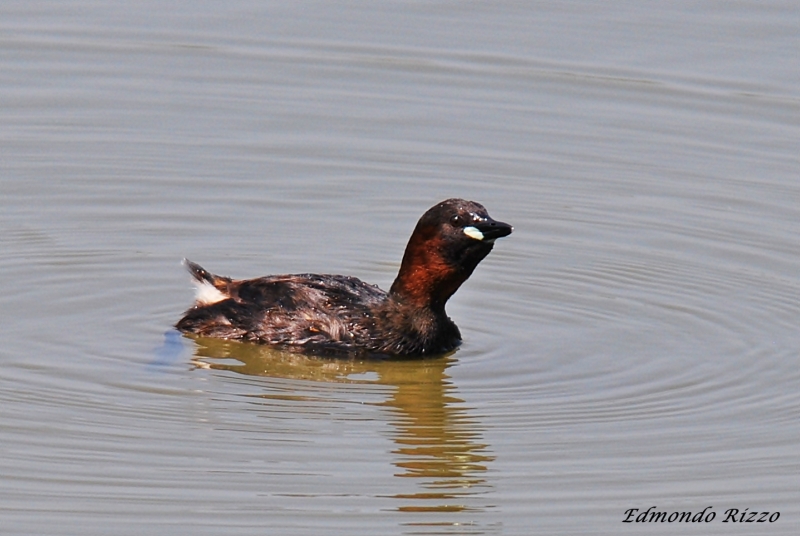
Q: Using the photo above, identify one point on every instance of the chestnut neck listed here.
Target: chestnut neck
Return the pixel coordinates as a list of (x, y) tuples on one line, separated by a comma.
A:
[(427, 278)]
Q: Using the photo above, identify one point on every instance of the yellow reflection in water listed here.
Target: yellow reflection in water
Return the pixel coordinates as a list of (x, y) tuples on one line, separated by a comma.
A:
[(437, 441)]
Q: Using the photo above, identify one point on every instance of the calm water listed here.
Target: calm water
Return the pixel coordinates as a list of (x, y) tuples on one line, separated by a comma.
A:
[(633, 344)]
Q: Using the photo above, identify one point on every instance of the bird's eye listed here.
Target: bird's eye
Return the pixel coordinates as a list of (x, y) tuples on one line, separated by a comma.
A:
[(457, 220)]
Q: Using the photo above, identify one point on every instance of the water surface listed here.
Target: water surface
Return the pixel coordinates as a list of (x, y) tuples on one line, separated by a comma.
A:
[(633, 343)]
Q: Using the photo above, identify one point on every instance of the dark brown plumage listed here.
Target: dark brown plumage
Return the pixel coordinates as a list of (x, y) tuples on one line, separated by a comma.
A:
[(342, 315)]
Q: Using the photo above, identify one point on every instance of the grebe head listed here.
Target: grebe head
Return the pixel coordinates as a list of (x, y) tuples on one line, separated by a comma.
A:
[(448, 242)]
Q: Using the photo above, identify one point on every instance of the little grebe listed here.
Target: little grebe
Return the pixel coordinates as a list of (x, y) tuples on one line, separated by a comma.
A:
[(342, 315)]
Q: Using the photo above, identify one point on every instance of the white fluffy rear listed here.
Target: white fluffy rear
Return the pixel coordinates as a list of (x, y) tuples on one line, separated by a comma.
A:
[(208, 293)]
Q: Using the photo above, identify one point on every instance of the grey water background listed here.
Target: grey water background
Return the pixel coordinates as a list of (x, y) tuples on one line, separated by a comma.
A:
[(634, 343)]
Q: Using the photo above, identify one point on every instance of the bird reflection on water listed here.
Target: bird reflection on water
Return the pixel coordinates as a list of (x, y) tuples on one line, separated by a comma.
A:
[(436, 440)]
